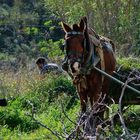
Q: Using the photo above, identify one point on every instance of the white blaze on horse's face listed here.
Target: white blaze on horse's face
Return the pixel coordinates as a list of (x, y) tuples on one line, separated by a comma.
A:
[(76, 66)]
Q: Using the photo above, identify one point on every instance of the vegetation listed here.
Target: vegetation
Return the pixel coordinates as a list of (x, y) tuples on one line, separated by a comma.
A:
[(129, 62), (33, 27), (47, 99)]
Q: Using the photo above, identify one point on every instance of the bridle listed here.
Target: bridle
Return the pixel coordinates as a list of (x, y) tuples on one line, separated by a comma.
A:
[(86, 63), (72, 54)]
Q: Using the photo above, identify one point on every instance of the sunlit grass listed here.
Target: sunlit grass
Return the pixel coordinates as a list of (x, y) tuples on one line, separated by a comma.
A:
[(47, 96), (129, 62), (23, 89)]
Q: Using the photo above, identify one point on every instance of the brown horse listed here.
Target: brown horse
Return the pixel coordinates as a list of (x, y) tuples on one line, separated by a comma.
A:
[(84, 50)]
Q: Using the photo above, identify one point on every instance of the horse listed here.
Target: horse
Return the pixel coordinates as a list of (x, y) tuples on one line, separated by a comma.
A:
[(85, 49)]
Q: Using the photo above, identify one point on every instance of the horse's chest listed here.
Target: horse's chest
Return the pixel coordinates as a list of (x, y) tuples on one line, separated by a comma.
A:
[(93, 78)]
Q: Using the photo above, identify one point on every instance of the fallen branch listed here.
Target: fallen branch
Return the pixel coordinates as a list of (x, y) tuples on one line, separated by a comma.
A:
[(32, 115)]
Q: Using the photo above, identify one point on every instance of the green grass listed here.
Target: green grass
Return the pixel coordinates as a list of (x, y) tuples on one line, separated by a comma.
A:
[(129, 62), (15, 124), (47, 96)]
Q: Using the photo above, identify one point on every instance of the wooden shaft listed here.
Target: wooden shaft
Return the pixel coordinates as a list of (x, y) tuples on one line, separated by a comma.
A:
[(116, 80)]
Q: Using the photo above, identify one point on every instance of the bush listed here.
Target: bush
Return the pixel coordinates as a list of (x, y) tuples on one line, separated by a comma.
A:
[(13, 116), (129, 62), (43, 95)]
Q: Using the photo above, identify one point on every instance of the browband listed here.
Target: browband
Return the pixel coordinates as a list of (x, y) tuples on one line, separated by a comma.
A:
[(75, 33)]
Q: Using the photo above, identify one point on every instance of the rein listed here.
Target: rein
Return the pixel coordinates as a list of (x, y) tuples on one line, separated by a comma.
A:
[(91, 52), (91, 60)]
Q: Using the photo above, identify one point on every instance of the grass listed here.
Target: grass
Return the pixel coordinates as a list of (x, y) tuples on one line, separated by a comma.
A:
[(46, 96), (129, 62), (24, 89)]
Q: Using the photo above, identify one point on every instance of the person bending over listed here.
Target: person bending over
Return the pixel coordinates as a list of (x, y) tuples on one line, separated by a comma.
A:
[(45, 67)]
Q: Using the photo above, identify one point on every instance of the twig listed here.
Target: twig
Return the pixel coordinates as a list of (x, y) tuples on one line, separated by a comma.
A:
[(64, 128), (125, 130), (138, 138), (45, 126), (38, 122), (62, 107)]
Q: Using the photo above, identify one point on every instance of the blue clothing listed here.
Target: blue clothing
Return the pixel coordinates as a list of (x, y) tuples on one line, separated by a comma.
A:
[(50, 67)]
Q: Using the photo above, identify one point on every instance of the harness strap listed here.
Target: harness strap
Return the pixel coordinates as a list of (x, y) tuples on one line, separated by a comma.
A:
[(94, 40), (74, 52), (75, 33), (101, 54), (80, 83)]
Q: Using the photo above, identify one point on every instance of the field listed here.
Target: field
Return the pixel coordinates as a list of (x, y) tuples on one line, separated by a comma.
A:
[(35, 106)]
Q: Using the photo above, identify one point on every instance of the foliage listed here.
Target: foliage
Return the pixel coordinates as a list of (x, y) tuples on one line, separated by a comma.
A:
[(46, 96), (118, 20), (129, 62), (51, 48), (14, 118), (24, 25), (48, 99)]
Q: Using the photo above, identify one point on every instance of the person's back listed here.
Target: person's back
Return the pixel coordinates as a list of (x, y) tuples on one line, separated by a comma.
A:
[(45, 67), (50, 67)]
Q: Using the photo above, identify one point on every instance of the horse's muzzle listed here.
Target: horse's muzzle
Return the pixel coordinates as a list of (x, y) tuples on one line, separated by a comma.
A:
[(74, 67)]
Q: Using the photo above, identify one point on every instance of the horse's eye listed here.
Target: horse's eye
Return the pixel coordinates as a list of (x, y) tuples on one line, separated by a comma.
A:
[(62, 47)]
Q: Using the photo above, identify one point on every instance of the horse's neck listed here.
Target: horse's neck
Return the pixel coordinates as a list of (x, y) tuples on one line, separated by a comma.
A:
[(91, 43), (93, 33)]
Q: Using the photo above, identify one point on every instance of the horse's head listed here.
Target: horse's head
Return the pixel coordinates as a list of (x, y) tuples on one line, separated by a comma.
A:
[(74, 44)]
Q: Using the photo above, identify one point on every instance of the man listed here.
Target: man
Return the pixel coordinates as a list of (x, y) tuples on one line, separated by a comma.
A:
[(45, 67)]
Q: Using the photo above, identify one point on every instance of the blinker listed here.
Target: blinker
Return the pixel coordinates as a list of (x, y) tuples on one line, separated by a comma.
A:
[(63, 46)]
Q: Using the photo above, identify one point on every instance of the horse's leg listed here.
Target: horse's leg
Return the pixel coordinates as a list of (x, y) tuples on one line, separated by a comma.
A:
[(94, 85), (97, 96), (105, 89), (94, 96), (105, 92), (83, 101), (95, 99), (94, 89)]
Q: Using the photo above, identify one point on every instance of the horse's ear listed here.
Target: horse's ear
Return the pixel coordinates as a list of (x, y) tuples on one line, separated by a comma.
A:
[(65, 27), (82, 25)]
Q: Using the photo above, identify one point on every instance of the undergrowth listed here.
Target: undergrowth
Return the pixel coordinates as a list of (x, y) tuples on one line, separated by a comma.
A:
[(48, 98), (129, 62)]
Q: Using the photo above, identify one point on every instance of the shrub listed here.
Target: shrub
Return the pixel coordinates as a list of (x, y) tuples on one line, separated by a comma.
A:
[(13, 116)]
